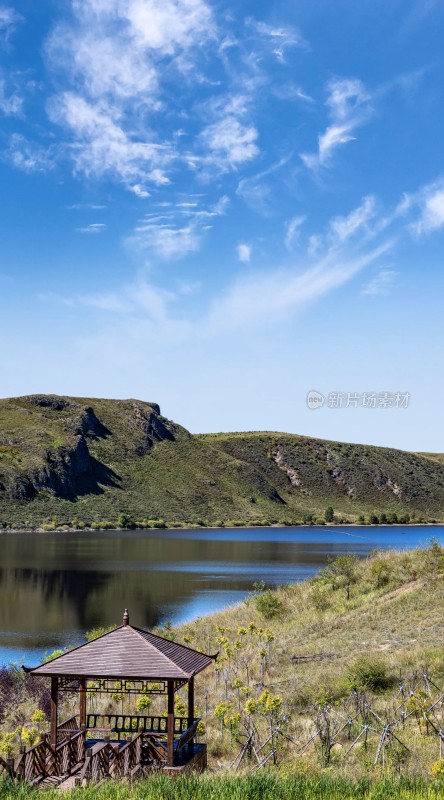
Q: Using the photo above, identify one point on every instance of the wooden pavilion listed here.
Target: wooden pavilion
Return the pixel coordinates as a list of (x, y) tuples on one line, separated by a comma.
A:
[(91, 746)]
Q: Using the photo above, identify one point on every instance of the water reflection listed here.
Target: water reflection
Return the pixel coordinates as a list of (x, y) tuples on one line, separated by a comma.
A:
[(55, 586)]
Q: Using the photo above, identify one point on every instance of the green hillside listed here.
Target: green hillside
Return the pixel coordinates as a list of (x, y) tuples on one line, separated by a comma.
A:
[(81, 461)]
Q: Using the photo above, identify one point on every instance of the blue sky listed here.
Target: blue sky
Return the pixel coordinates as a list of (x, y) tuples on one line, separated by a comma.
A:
[(221, 206)]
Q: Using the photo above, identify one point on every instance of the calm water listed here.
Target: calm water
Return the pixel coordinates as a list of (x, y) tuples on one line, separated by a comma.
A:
[(55, 586)]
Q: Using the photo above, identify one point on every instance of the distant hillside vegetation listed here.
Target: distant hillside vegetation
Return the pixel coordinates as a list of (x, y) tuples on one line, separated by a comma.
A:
[(80, 461)]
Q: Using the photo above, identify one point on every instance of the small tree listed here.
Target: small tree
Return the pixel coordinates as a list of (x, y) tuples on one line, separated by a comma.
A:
[(329, 515), (143, 703), (342, 572), (381, 571), (125, 521)]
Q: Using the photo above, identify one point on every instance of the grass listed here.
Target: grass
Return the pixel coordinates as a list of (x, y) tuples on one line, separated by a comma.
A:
[(262, 786), (146, 467)]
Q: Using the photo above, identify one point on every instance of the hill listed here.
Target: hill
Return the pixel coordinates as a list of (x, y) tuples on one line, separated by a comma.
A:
[(84, 461)]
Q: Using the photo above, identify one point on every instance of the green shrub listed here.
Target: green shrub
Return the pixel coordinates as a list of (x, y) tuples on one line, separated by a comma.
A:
[(320, 595), (369, 672), (268, 603)]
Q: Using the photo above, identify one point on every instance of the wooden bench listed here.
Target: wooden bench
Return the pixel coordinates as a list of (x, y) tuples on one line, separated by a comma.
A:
[(186, 737)]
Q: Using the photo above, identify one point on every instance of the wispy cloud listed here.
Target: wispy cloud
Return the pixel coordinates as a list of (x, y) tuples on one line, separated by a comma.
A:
[(423, 209), (343, 228), (102, 146), (381, 284), (230, 139), (94, 228), (279, 38), (349, 105), (11, 103), (244, 252), (9, 19), (257, 190), (292, 91), (139, 191), (292, 230), (177, 230), (230, 142), (28, 156), (272, 294), (113, 55), (86, 206), (432, 210)]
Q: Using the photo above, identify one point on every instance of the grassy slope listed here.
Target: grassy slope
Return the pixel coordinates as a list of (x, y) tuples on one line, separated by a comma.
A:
[(208, 478), (400, 623)]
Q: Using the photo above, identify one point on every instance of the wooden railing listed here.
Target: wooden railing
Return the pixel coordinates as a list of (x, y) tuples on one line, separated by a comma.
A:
[(69, 753), (67, 726), (7, 767), (31, 763), (148, 747), (40, 761), (131, 723), (106, 760)]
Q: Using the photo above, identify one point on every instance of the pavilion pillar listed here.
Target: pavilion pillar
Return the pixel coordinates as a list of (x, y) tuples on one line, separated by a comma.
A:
[(191, 711), (190, 701), (54, 710), (82, 702), (170, 725)]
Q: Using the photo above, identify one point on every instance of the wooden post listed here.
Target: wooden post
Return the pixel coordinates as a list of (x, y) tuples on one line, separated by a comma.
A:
[(191, 712), (82, 703), (190, 702), (54, 706), (170, 726)]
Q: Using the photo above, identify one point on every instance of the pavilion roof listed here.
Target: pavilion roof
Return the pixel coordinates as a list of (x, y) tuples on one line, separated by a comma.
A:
[(127, 652)]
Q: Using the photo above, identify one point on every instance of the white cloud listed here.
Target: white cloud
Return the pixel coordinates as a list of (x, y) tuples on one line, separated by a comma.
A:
[(432, 213), (292, 230), (381, 284), (114, 55), (9, 19), (10, 104), (113, 47), (269, 295), (146, 311), (230, 142), (177, 231), (243, 252), (349, 107), (28, 156), (102, 146), (256, 191), (342, 228), (83, 206), (139, 191), (424, 209), (167, 240), (94, 227), (279, 38), (291, 91)]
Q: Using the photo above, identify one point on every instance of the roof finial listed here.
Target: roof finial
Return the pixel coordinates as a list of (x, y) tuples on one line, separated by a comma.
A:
[(126, 617)]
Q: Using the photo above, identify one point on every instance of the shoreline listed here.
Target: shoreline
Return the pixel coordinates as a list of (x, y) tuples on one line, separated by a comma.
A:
[(228, 527)]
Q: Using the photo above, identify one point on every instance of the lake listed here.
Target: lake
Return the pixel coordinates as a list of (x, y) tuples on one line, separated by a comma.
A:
[(55, 586)]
